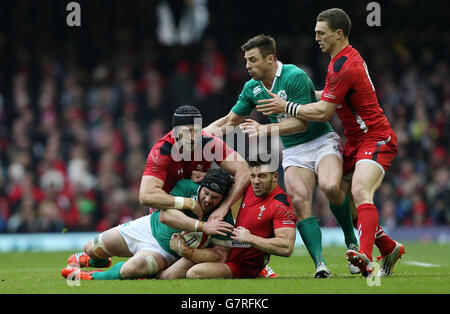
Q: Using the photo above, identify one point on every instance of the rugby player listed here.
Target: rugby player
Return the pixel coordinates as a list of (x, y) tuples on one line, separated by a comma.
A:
[(147, 239), (265, 226), (371, 143), (179, 154), (312, 151)]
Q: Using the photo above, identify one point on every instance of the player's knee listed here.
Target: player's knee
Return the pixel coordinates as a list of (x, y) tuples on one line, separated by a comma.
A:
[(194, 272), (332, 190), (360, 194), (133, 269), (170, 275), (96, 248), (301, 200), (88, 248)]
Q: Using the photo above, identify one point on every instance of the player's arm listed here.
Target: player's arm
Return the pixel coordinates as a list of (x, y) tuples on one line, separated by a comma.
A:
[(151, 194), (238, 168), (180, 221), (225, 124), (318, 93), (282, 244), (288, 126), (217, 253), (320, 111)]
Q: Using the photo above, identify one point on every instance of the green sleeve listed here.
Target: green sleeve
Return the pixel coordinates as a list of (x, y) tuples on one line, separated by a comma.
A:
[(301, 89), (185, 188), (245, 104)]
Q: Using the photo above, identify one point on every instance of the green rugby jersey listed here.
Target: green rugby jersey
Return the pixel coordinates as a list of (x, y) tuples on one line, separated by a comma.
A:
[(290, 83), (162, 233)]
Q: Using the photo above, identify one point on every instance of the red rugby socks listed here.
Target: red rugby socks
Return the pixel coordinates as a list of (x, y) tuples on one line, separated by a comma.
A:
[(367, 227), (384, 243)]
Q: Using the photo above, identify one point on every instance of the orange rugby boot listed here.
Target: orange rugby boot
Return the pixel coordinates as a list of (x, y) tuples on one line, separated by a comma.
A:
[(81, 260)]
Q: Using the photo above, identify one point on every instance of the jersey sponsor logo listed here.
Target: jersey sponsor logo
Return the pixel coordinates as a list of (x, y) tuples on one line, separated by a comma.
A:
[(241, 245), (288, 222), (257, 90), (180, 171), (329, 96)]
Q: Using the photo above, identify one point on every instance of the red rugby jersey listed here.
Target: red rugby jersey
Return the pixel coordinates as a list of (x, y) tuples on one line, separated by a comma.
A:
[(161, 164), (261, 216), (348, 85)]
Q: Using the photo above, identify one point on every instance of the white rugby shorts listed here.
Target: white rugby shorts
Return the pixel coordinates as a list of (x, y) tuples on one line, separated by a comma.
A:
[(138, 236), (309, 154)]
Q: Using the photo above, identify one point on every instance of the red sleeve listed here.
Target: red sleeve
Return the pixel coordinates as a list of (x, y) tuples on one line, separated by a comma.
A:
[(157, 164), (337, 85), (284, 217)]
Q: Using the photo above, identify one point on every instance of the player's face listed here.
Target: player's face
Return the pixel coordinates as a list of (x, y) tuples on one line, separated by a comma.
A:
[(209, 199), (256, 65), (263, 180), (325, 37), (188, 136)]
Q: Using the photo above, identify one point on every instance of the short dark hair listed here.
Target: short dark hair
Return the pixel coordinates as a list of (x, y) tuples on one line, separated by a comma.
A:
[(337, 19), (257, 161), (265, 43)]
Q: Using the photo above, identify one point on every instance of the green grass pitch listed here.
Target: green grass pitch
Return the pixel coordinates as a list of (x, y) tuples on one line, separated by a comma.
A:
[(425, 268)]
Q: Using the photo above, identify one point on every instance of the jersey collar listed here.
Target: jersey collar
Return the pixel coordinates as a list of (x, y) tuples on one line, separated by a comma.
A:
[(277, 74), (343, 51)]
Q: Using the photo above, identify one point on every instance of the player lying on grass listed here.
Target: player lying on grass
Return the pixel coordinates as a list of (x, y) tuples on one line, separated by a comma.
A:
[(265, 226), (147, 239)]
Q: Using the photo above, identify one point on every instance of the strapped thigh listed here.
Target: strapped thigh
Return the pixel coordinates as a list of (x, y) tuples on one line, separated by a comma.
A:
[(97, 243)]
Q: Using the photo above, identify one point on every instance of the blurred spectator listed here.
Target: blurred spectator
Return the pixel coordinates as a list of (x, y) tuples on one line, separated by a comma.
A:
[(79, 111)]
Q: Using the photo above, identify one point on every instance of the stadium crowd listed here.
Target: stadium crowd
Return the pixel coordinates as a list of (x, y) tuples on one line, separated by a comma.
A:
[(75, 128)]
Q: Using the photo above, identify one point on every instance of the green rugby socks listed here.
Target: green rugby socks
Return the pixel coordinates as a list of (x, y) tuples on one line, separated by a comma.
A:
[(111, 274), (312, 237), (343, 216)]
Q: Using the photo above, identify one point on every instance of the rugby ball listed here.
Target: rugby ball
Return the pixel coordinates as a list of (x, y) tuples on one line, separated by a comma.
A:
[(197, 240)]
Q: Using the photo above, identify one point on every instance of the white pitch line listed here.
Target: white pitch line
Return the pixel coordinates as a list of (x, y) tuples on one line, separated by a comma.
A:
[(421, 264)]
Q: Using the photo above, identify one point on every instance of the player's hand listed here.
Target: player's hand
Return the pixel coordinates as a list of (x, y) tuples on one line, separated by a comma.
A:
[(177, 243), (219, 213), (197, 176), (253, 128), (241, 235), (273, 105), (217, 227)]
